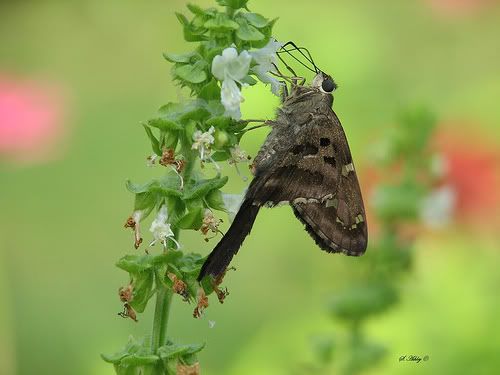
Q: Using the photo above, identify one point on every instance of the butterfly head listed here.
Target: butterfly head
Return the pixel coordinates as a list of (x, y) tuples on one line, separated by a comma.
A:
[(324, 83)]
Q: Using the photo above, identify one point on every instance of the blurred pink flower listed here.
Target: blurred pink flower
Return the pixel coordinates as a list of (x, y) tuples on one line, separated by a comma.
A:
[(458, 7), (31, 116)]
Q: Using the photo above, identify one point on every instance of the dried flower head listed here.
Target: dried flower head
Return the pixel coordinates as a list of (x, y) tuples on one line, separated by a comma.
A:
[(183, 369), (201, 305), (128, 312), (133, 222), (210, 223), (179, 286), (125, 293)]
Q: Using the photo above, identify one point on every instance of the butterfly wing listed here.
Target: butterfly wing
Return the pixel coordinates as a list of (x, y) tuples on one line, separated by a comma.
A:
[(316, 176)]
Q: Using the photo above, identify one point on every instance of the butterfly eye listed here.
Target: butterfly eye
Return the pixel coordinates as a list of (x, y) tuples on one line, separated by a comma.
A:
[(328, 85)]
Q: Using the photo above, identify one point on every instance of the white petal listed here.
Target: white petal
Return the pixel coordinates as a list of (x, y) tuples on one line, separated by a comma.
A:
[(266, 78), (267, 54), (231, 65), (231, 98)]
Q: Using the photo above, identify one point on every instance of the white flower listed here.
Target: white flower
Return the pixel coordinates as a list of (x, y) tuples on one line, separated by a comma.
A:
[(210, 223), (437, 207), (203, 140), (231, 98), (265, 58), (161, 229), (237, 155), (231, 68)]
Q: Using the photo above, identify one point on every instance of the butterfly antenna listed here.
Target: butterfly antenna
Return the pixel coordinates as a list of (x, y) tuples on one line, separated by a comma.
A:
[(308, 57)]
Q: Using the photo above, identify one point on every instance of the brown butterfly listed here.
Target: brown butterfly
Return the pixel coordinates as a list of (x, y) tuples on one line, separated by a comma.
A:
[(305, 162)]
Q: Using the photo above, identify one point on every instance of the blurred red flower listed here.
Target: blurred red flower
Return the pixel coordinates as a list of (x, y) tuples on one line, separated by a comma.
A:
[(31, 115), (472, 168)]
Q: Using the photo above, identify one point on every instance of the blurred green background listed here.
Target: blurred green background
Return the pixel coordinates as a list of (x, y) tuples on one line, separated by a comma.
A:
[(61, 221)]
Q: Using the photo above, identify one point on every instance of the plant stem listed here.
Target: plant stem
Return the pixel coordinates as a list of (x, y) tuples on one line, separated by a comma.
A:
[(160, 320)]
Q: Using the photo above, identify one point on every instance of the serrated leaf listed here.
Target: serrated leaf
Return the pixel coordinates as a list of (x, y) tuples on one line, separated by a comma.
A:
[(248, 32), (202, 187), (179, 58), (255, 19), (155, 145), (194, 73), (164, 124)]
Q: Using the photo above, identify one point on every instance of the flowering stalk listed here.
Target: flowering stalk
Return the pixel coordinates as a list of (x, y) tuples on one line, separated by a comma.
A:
[(188, 140)]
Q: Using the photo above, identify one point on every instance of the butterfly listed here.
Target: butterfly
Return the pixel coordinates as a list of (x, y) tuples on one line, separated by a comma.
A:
[(306, 163)]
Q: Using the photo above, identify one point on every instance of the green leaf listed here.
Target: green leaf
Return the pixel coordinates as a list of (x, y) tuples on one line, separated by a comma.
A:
[(164, 124), (248, 32), (167, 185), (192, 220), (255, 19), (235, 4), (191, 73), (182, 19), (211, 91), (155, 145), (196, 114), (139, 360), (179, 58), (132, 347), (135, 263), (203, 187), (144, 202), (219, 122), (172, 351), (171, 140), (195, 9), (171, 110), (214, 200), (221, 22), (221, 155), (142, 283)]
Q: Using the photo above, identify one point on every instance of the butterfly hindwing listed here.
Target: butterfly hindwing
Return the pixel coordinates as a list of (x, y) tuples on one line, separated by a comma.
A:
[(316, 176)]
